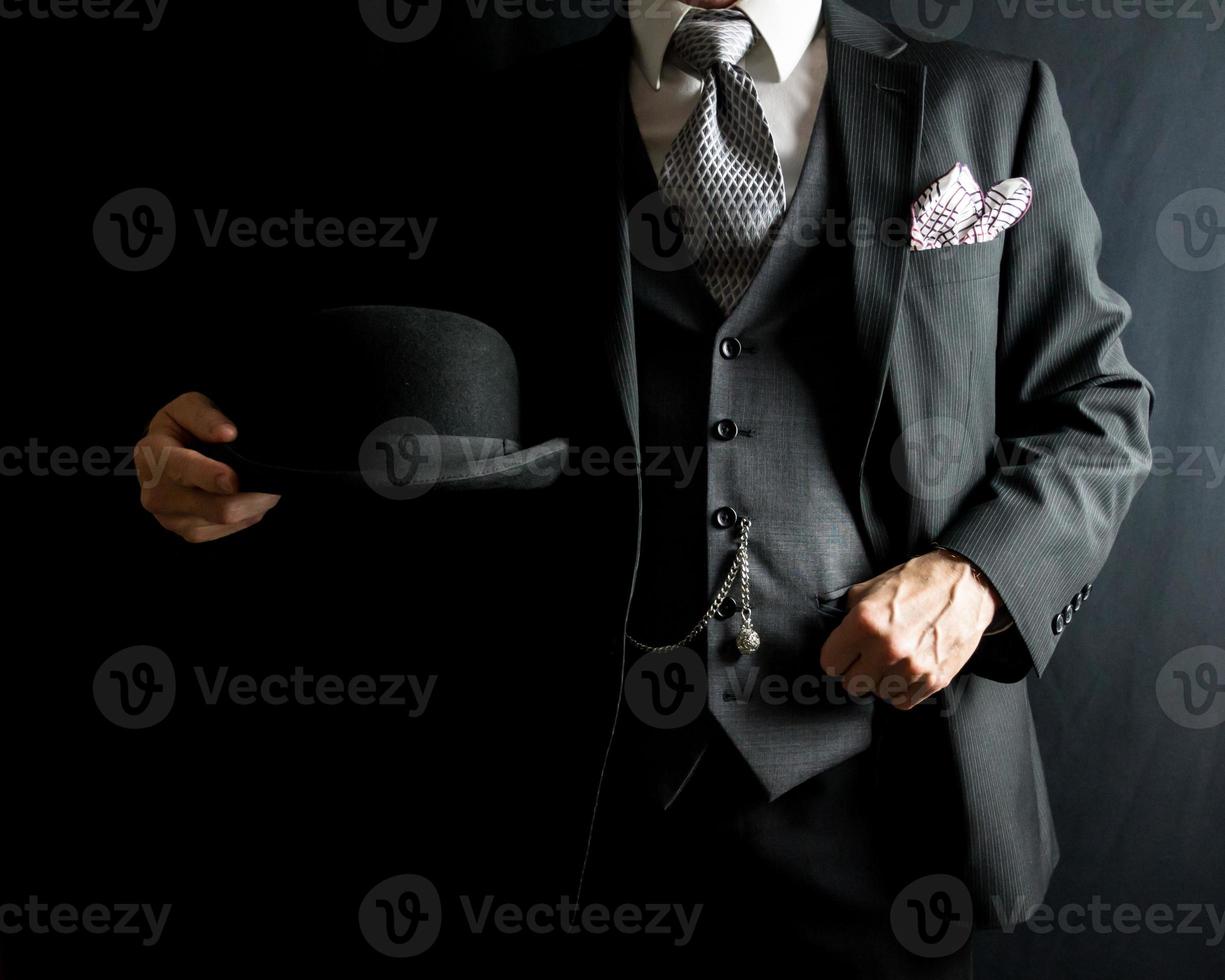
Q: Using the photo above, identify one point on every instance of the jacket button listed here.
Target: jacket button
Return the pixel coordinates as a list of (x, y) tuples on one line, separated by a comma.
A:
[(1067, 613), (724, 517), (727, 609), (1077, 602), (726, 430), (1057, 625), (1084, 593), (730, 348)]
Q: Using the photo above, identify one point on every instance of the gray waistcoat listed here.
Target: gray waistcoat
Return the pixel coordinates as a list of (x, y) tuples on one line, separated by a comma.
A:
[(774, 368)]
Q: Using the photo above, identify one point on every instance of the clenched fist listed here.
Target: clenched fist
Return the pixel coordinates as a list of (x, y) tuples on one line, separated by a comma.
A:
[(909, 631), (195, 497)]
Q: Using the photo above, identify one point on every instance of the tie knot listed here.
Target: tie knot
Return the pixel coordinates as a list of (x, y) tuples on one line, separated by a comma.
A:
[(709, 37)]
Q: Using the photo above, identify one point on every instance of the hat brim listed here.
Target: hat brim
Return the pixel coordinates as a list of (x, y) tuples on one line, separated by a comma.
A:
[(528, 469)]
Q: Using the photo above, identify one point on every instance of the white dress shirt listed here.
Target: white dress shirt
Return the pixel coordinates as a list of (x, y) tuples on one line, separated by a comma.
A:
[(788, 66)]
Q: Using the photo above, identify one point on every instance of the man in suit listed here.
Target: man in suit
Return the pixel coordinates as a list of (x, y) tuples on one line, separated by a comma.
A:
[(785, 385)]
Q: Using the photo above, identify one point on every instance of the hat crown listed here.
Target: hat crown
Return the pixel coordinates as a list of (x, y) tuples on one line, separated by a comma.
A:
[(313, 391)]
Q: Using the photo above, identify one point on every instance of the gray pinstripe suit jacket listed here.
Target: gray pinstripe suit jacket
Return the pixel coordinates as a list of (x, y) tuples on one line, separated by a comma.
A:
[(1004, 359)]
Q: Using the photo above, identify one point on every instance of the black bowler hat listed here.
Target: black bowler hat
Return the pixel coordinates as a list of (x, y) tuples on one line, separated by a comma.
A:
[(392, 399)]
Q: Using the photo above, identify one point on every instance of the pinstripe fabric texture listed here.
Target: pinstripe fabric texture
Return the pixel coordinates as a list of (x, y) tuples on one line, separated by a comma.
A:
[(992, 408), (1005, 420)]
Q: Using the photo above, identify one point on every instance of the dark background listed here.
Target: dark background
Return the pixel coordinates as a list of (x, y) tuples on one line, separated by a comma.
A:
[(263, 830)]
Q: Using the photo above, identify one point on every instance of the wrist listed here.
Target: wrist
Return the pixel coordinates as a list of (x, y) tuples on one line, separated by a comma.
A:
[(1000, 620)]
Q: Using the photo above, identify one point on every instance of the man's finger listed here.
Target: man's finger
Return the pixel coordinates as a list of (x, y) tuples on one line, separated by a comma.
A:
[(858, 681), (876, 671), (175, 501), (857, 592), (197, 531), (894, 687), (919, 692), (196, 415), (160, 457), (841, 649)]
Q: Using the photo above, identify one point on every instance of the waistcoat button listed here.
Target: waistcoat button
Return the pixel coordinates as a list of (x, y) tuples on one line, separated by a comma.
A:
[(724, 517)]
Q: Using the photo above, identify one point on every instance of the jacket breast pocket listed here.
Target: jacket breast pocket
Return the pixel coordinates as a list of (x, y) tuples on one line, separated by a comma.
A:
[(955, 263)]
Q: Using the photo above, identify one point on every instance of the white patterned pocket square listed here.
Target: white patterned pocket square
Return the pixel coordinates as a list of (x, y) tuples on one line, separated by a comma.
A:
[(954, 211)]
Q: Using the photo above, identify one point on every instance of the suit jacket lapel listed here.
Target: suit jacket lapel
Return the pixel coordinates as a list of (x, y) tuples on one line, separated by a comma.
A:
[(612, 66), (878, 115)]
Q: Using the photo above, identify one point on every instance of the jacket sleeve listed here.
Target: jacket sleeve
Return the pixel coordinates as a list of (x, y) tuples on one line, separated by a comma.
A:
[(1071, 414)]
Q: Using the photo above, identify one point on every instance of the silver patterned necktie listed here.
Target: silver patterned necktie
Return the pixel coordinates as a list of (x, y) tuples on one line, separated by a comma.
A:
[(722, 172)]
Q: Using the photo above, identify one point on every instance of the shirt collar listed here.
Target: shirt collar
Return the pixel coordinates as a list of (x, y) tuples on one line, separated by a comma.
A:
[(786, 27)]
